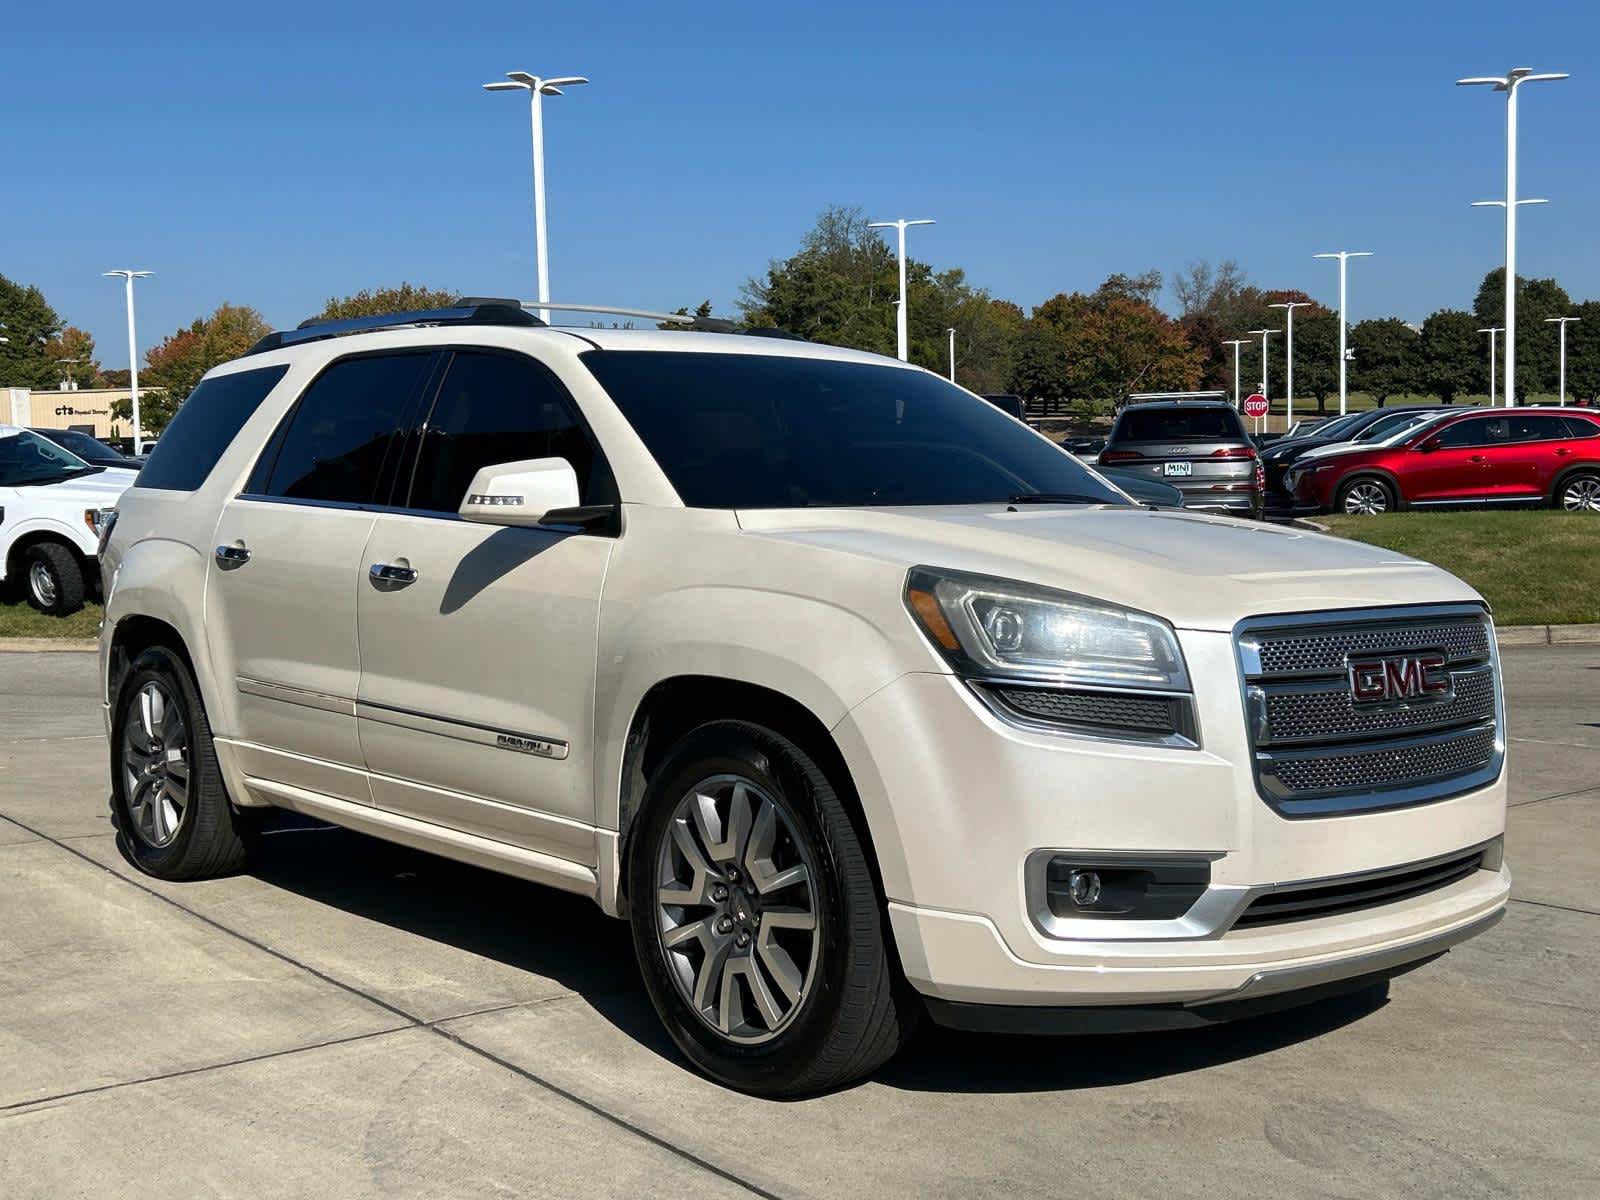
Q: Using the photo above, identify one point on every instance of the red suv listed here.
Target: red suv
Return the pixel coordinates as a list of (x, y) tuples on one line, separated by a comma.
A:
[(1506, 456)]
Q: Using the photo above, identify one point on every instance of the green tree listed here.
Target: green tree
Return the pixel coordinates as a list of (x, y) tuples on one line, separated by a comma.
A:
[(1537, 351), (1316, 356), (1386, 357), (175, 366), (72, 355), (1583, 352), (31, 326), (702, 312), (377, 302), (1111, 343), (1450, 356)]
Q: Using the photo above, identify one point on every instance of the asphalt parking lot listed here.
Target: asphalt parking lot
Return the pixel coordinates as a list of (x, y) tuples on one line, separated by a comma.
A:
[(356, 1019)]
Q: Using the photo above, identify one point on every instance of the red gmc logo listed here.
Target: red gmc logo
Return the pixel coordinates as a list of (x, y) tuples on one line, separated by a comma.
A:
[(1395, 677)]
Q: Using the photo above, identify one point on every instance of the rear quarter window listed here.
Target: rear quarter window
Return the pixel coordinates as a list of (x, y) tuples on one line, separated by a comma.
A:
[(204, 426)]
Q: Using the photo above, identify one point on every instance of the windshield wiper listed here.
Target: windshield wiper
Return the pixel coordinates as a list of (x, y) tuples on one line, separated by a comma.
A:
[(1057, 498)]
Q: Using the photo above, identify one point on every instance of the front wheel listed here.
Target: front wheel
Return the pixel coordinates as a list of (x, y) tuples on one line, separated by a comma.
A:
[(1365, 497), (755, 920), (55, 580), (1580, 493)]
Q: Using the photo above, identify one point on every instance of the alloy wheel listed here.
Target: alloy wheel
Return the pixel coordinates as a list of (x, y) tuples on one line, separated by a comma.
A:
[(42, 583), (155, 765), (736, 909), (1582, 495), (1366, 499)]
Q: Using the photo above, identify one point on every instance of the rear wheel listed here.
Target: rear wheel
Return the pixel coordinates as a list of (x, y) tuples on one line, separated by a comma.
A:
[(755, 919), (54, 579), (1365, 497), (168, 802), (1579, 493)]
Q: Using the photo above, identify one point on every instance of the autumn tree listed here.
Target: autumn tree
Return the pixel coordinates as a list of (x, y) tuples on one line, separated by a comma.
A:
[(175, 366), (378, 302), (1108, 343), (72, 355)]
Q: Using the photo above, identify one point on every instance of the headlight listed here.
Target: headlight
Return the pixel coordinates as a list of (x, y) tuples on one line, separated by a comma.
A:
[(1045, 657), (100, 522)]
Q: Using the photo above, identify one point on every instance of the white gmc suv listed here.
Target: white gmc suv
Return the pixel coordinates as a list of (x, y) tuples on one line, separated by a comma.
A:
[(857, 698)]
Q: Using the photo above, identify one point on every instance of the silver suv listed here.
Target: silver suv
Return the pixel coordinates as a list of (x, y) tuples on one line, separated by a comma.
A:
[(1199, 445)]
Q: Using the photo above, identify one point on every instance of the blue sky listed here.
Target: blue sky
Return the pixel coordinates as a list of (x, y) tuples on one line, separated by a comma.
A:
[(274, 156)]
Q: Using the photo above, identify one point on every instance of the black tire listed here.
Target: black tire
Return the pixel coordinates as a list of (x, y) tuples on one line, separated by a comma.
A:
[(1391, 502), (212, 837), (1586, 481), (858, 1010), (53, 579)]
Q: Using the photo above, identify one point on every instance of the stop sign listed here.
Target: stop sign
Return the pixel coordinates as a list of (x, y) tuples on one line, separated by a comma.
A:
[(1256, 406)]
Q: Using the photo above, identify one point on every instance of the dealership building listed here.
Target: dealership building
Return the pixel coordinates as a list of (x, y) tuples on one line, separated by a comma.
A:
[(87, 410)]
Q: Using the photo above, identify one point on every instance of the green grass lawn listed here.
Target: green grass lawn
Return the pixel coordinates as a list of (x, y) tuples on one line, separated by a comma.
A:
[(18, 620), (1535, 567)]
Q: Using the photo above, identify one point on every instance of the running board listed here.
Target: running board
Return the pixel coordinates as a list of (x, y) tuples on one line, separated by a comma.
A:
[(436, 839)]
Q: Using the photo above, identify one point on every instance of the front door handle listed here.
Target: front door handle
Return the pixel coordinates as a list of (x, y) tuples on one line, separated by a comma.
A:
[(1562, 452), (1477, 458), (392, 575), (229, 557)]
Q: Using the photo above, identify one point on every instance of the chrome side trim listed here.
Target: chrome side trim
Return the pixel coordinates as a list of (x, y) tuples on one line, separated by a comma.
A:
[(1293, 979), (538, 745), (304, 697)]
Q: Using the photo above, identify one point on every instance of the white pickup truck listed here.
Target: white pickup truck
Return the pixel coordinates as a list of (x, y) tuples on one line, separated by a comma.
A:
[(857, 698), (53, 506)]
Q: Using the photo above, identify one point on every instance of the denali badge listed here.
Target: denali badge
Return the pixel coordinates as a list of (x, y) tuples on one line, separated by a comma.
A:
[(1391, 678), (527, 745)]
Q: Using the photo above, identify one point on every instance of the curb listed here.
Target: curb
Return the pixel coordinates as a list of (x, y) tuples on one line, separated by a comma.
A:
[(1547, 635), (35, 645)]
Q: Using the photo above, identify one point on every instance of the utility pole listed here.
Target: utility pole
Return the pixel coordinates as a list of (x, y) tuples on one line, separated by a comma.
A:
[(1491, 332), (901, 334), (1264, 334), (133, 354), (1288, 307), (1562, 323), (952, 333), (1235, 343)]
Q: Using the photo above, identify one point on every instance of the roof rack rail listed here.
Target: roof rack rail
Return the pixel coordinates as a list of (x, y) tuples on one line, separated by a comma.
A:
[(470, 310)]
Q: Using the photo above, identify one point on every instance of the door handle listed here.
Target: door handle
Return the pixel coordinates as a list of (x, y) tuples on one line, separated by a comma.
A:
[(1562, 452), (1477, 458), (391, 575), (229, 557)]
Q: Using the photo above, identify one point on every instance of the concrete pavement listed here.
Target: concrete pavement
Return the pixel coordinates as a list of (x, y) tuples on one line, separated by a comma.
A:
[(354, 1019)]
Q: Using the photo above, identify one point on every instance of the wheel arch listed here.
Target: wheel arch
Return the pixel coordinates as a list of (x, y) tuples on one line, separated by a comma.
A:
[(1381, 474), (1566, 477), (39, 535), (155, 598)]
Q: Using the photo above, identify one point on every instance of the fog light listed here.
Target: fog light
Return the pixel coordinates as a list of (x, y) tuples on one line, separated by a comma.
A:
[(1084, 888)]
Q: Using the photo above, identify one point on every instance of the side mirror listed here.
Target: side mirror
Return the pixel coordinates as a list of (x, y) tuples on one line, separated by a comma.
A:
[(1428, 444), (520, 493)]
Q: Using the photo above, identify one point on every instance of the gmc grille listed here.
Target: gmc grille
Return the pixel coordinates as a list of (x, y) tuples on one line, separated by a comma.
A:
[(1317, 751)]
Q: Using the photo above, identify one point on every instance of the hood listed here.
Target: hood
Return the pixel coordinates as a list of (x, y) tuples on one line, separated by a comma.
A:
[(1195, 570), (1334, 448), (100, 489)]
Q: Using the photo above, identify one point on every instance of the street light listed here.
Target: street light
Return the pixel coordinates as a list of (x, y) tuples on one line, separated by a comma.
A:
[(1491, 332), (1235, 343), (133, 353), (900, 317), (1288, 307), (1264, 334), (1344, 256), (537, 88), (1562, 323), (952, 333), (1509, 83)]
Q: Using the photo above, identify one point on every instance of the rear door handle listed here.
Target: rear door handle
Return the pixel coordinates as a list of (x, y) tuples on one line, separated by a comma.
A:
[(232, 556), (391, 575)]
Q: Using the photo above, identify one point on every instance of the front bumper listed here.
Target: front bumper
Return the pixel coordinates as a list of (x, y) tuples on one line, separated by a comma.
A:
[(957, 801)]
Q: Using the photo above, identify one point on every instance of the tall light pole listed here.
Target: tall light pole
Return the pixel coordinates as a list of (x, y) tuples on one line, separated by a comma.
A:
[(1264, 334), (1235, 343), (1562, 323), (900, 317), (1509, 83), (952, 334), (1344, 257), (133, 353), (1288, 307), (537, 88), (1492, 332)]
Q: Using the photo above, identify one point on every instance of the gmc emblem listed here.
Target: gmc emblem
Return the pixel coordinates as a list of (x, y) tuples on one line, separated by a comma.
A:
[(1393, 678)]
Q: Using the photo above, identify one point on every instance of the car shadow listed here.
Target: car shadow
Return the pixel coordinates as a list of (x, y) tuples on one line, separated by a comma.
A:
[(566, 938)]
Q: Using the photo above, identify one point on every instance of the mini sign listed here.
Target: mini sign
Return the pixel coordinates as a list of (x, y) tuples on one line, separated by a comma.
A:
[(1256, 406)]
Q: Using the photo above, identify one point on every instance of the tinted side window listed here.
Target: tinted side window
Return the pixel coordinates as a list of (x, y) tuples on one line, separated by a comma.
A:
[(344, 427), (1537, 428), (497, 408), (1481, 431), (1581, 427), (204, 425)]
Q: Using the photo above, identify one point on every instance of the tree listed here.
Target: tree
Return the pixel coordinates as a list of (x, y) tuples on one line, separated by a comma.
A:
[(1217, 304), (1105, 345), (1583, 352), (1316, 355), (1450, 355), (1537, 351), (702, 312), (72, 356), (31, 325), (1386, 357), (377, 302), (175, 366)]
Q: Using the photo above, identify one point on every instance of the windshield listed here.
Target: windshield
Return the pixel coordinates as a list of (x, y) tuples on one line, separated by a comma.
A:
[(1178, 424), (28, 458), (1387, 427), (769, 431), (1335, 428), (81, 444)]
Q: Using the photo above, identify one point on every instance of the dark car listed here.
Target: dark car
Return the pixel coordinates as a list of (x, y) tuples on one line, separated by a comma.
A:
[(87, 447), (1201, 447), (1518, 456), (1143, 488), (1370, 426)]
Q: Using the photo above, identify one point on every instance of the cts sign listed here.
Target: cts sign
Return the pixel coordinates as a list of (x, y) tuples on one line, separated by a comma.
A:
[(1256, 406)]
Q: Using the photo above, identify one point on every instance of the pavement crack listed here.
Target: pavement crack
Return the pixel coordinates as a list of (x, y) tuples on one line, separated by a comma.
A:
[(1587, 912)]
